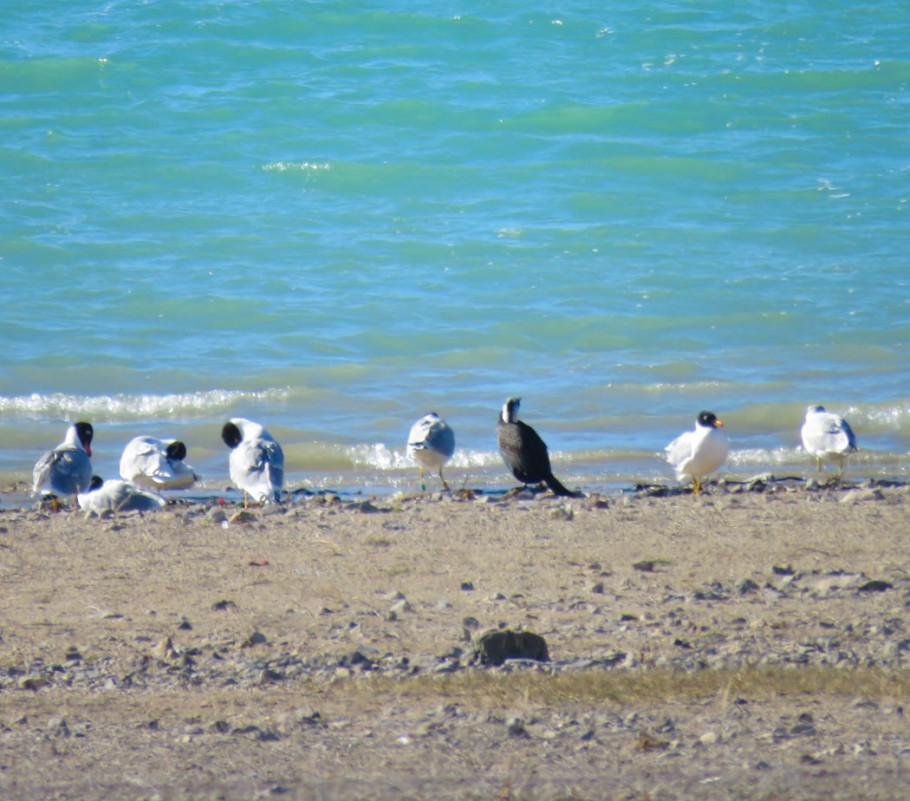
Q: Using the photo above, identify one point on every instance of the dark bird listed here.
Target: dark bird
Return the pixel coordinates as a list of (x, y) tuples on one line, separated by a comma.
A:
[(524, 452)]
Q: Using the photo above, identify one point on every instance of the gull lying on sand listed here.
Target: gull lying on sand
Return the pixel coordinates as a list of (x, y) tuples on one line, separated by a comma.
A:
[(156, 464), (118, 496)]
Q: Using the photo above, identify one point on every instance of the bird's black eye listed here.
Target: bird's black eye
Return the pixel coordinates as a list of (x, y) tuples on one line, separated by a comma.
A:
[(231, 435)]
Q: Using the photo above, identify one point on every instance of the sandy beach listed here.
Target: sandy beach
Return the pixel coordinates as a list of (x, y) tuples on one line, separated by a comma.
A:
[(747, 644)]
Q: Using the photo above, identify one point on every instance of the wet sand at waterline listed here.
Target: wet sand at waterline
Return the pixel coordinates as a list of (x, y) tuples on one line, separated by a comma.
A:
[(749, 643)]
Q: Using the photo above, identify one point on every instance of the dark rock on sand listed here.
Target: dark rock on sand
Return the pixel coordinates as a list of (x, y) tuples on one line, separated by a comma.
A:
[(495, 646)]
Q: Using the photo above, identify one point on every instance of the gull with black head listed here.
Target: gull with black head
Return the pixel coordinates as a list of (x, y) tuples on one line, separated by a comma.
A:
[(256, 461), (66, 469), (156, 464), (698, 453)]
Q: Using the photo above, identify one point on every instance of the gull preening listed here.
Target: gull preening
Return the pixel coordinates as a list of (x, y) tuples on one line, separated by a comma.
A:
[(698, 453), (827, 437), (524, 452), (156, 464), (114, 495), (431, 443), (256, 461), (67, 469)]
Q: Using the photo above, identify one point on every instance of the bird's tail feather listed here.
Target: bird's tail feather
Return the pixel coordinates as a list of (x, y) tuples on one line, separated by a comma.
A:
[(558, 489)]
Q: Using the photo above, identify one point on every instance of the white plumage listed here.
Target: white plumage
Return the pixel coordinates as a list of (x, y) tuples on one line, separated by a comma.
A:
[(827, 437), (431, 443), (156, 464), (67, 469), (118, 496), (698, 453), (256, 461)]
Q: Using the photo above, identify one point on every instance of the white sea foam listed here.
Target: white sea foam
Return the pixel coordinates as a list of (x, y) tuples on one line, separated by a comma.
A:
[(769, 457), (294, 166), (381, 457), (890, 417), (127, 406)]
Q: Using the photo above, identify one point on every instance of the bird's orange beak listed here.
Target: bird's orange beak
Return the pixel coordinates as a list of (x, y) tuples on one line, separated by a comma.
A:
[(718, 424)]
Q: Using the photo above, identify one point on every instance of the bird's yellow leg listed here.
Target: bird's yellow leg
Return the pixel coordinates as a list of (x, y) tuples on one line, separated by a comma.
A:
[(246, 500), (443, 480), (696, 486)]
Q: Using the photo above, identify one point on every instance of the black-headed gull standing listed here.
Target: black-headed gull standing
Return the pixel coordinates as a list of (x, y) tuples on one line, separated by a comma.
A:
[(256, 461), (698, 453), (67, 469)]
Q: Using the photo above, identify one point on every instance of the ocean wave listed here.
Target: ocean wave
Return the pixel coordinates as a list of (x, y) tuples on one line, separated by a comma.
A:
[(757, 457), (127, 406), (380, 457), (295, 166), (888, 417)]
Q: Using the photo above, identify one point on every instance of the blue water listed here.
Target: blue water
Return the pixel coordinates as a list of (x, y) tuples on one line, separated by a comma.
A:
[(334, 217)]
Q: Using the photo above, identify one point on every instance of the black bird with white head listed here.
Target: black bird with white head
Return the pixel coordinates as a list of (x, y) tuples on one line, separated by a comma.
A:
[(524, 452)]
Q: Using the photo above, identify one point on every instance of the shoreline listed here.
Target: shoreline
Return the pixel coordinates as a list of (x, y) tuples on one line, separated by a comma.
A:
[(741, 644), (18, 495)]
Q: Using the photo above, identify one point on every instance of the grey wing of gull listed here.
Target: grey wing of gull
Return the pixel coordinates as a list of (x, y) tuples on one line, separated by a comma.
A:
[(258, 468), (65, 471), (42, 472), (832, 434), (851, 437), (139, 501), (120, 496), (441, 438), (124, 496), (274, 456)]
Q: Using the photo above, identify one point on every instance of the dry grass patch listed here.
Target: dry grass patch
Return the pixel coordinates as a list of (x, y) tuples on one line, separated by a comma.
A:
[(482, 689), (498, 689)]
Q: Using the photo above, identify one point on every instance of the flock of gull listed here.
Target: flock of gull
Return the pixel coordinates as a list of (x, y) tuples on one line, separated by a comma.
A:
[(256, 461)]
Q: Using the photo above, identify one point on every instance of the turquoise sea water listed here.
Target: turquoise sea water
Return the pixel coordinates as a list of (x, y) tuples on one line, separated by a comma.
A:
[(335, 217)]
